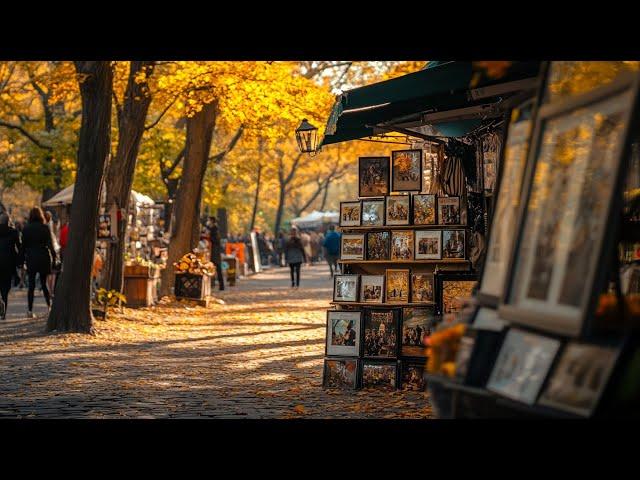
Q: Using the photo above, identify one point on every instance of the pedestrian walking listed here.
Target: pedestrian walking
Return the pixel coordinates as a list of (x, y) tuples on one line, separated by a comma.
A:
[(280, 243), (305, 238), (216, 249), (295, 256), (38, 254), (51, 278), (9, 259), (331, 246)]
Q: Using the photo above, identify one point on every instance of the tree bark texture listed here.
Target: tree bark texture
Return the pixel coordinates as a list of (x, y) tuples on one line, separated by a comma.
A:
[(71, 311), (131, 126)]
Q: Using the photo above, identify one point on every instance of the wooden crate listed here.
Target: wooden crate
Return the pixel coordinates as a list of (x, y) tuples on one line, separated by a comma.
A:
[(189, 285), (140, 291), (141, 271)]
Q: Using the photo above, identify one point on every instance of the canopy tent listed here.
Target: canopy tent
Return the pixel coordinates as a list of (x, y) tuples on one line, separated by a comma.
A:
[(439, 95), (65, 197), (316, 219)]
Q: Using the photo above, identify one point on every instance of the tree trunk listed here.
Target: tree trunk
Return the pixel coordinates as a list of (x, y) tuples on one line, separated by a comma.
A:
[(256, 199), (198, 143), (121, 169), (280, 211), (71, 310), (324, 197)]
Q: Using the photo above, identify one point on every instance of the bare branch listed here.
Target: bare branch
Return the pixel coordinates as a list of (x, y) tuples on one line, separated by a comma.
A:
[(157, 120), (24, 132)]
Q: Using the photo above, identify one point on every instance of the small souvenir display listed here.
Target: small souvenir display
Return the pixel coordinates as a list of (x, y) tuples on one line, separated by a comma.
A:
[(340, 373), (522, 365), (104, 227), (352, 246), (373, 212), (373, 176), (397, 286), (372, 288), (343, 333), (449, 210), (378, 245), (424, 209), (417, 324), (350, 214), (380, 333), (453, 244), (345, 288), (422, 288), (379, 375), (406, 171), (580, 377), (401, 245), (412, 376), (428, 244), (194, 264), (397, 209), (452, 289)]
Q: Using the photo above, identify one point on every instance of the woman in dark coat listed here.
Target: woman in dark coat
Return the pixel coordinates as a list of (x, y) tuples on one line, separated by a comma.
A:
[(39, 254), (9, 251), (295, 254)]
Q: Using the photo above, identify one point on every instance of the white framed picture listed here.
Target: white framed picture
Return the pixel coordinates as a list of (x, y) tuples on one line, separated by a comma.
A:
[(345, 288), (352, 246), (522, 365), (343, 333), (350, 214), (428, 244)]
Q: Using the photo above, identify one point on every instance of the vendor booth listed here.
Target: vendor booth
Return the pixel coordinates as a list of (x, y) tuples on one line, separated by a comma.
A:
[(491, 275), (316, 220)]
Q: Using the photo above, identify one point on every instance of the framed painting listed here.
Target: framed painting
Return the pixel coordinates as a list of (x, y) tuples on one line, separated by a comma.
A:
[(379, 375), (454, 244), (373, 176), (373, 212), (417, 325), (580, 377), (340, 373), (352, 246), (397, 209), (452, 288), (428, 244), (412, 376), (406, 171), (350, 214), (345, 288), (372, 288), (401, 245), (378, 245), (380, 333), (422, 288), (424, 209), (343, 333), (397, 288), (580, 150), (449, 210), (522, 365)]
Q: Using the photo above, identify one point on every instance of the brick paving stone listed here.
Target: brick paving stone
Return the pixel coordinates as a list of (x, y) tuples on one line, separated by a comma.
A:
[(258, 355)]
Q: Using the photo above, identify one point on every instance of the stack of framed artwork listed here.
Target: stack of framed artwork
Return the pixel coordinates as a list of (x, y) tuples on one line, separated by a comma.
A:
[(404, 262), (540, 343)]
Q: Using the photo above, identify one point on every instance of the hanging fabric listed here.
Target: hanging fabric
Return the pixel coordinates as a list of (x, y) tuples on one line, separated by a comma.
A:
[(452, 176), (436, 183)]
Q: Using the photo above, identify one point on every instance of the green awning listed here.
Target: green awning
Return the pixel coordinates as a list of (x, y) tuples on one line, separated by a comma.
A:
[(442, 87)]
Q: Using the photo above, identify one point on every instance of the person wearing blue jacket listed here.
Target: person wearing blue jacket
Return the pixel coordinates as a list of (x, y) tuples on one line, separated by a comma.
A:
[(331, 245)]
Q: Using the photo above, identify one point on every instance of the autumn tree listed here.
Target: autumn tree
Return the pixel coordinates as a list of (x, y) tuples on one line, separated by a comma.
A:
[(71, 310)]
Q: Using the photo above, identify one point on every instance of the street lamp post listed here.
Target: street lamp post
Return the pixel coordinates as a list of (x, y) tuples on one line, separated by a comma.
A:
[(307, 137)]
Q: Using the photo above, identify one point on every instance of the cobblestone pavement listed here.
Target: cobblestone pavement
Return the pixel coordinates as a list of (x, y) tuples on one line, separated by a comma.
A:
[(258, 355)]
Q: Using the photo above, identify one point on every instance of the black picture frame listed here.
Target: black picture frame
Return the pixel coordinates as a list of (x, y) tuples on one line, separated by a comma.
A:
[(441, 217), (595, 281), (441, 277), (393, 364), (406, 364), (406, 272), (356, 277), (394, 156), (360, 214), (417, 351), (358, 346), (413, 208), (362, 284), (403, 198), (445, 254), (349, 236), (387, 244), (408, 235), (366, 322), (412, 282), (352, 360), (386, 175), (380, 200)]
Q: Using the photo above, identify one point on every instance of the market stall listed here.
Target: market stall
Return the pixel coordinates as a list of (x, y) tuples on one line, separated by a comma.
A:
[(316, 220), (413, 240)]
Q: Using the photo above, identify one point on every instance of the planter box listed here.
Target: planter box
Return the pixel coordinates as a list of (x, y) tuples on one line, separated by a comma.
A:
[(188, 285), (141, 271), (140, 291)]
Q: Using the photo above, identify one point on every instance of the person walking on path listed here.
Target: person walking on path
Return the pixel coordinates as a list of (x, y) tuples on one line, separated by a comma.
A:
[(216, 249), (38, 253), (9, 251), (331, 245), (51, 278), (280, 243), (305, 238), (295, 255)]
